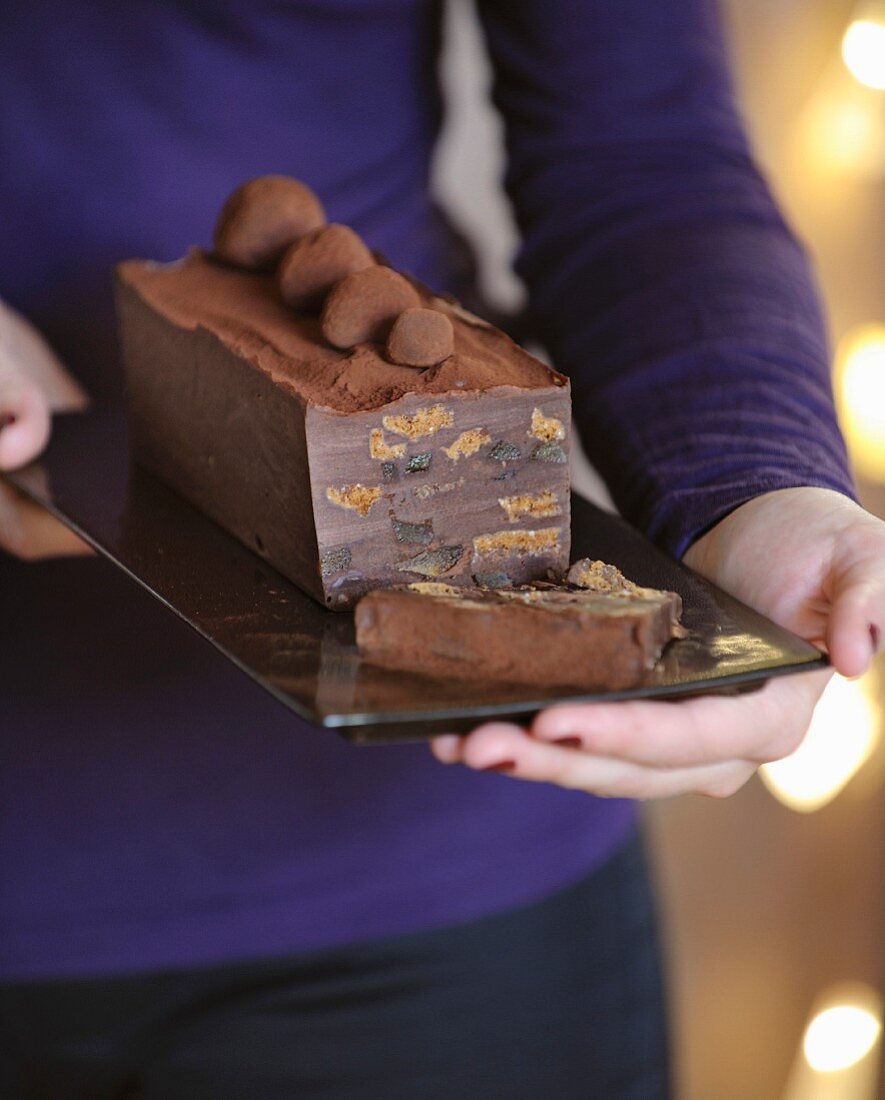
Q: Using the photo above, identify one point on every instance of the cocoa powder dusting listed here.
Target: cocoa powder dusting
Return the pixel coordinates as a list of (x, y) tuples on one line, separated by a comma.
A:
[(244, 312)]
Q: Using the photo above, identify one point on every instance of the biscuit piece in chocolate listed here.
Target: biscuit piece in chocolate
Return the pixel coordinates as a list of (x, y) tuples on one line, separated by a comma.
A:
[(599, 576), (262, 218), (363, 306), (420, 338), (537, 634), (311, 266)]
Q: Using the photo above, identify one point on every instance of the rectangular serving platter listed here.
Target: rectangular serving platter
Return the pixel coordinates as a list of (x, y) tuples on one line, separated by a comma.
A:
[(306, 656)]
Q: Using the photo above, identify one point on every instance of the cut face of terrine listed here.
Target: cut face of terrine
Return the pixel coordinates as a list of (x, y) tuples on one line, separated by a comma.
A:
[(343, 469)]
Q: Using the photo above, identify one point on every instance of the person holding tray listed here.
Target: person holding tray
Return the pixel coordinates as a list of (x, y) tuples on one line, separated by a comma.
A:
[(199, 895)]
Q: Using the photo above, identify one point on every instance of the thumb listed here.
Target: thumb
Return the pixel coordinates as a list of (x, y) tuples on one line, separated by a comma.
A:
[(856, 625), (24, 421)]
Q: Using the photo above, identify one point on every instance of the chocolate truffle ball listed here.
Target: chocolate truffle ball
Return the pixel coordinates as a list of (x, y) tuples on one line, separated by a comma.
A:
[(311, 267), (420, 338), (363, 306), (262, 218)]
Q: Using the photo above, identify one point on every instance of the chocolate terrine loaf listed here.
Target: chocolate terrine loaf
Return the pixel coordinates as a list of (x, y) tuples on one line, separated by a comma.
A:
[(596, 631), (338, 418)]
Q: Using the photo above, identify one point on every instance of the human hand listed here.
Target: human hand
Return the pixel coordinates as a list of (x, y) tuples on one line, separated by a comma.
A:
[(33, 385), (812, 561)]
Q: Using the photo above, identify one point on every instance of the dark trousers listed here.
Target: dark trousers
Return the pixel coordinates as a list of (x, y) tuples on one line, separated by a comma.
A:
[(559, 1000)]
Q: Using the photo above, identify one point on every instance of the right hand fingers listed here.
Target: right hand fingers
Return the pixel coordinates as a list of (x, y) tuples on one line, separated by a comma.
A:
[(24, 420), (29, 532)]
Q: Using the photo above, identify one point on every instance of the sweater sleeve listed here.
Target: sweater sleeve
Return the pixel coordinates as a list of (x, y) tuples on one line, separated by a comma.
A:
[(661, 274)]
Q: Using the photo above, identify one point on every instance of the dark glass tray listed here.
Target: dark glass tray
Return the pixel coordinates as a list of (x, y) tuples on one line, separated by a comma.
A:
[(305, 656)]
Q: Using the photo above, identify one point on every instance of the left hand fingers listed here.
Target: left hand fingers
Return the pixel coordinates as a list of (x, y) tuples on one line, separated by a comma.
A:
[(525, 757), (756, 727), (24, 420), (856, 626), (693, 733)]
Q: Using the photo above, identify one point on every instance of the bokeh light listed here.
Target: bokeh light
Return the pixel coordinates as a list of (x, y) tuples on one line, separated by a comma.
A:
[(863, 51), (841, 738), (841, 130), (860, 390), (838, 1057), (838, 1037)]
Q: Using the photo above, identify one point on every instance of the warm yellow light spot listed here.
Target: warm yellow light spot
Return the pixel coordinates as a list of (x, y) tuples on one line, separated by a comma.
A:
[(840, 1036), (863, 51), (844, 135), (838, 1057), (843, 734), (860, 389)]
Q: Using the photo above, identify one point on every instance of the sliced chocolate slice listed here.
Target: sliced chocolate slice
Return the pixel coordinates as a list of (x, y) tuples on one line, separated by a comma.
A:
[(541, 633)]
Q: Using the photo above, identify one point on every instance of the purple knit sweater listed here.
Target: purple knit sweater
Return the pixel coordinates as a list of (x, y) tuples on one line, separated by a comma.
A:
[(155, 808)]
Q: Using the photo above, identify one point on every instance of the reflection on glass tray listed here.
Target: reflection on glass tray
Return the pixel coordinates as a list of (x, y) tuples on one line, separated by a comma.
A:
[(306, 656)]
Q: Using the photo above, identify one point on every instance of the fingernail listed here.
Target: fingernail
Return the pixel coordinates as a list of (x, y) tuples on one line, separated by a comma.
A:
[(569, 742), (875, 637), (504, 766)]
